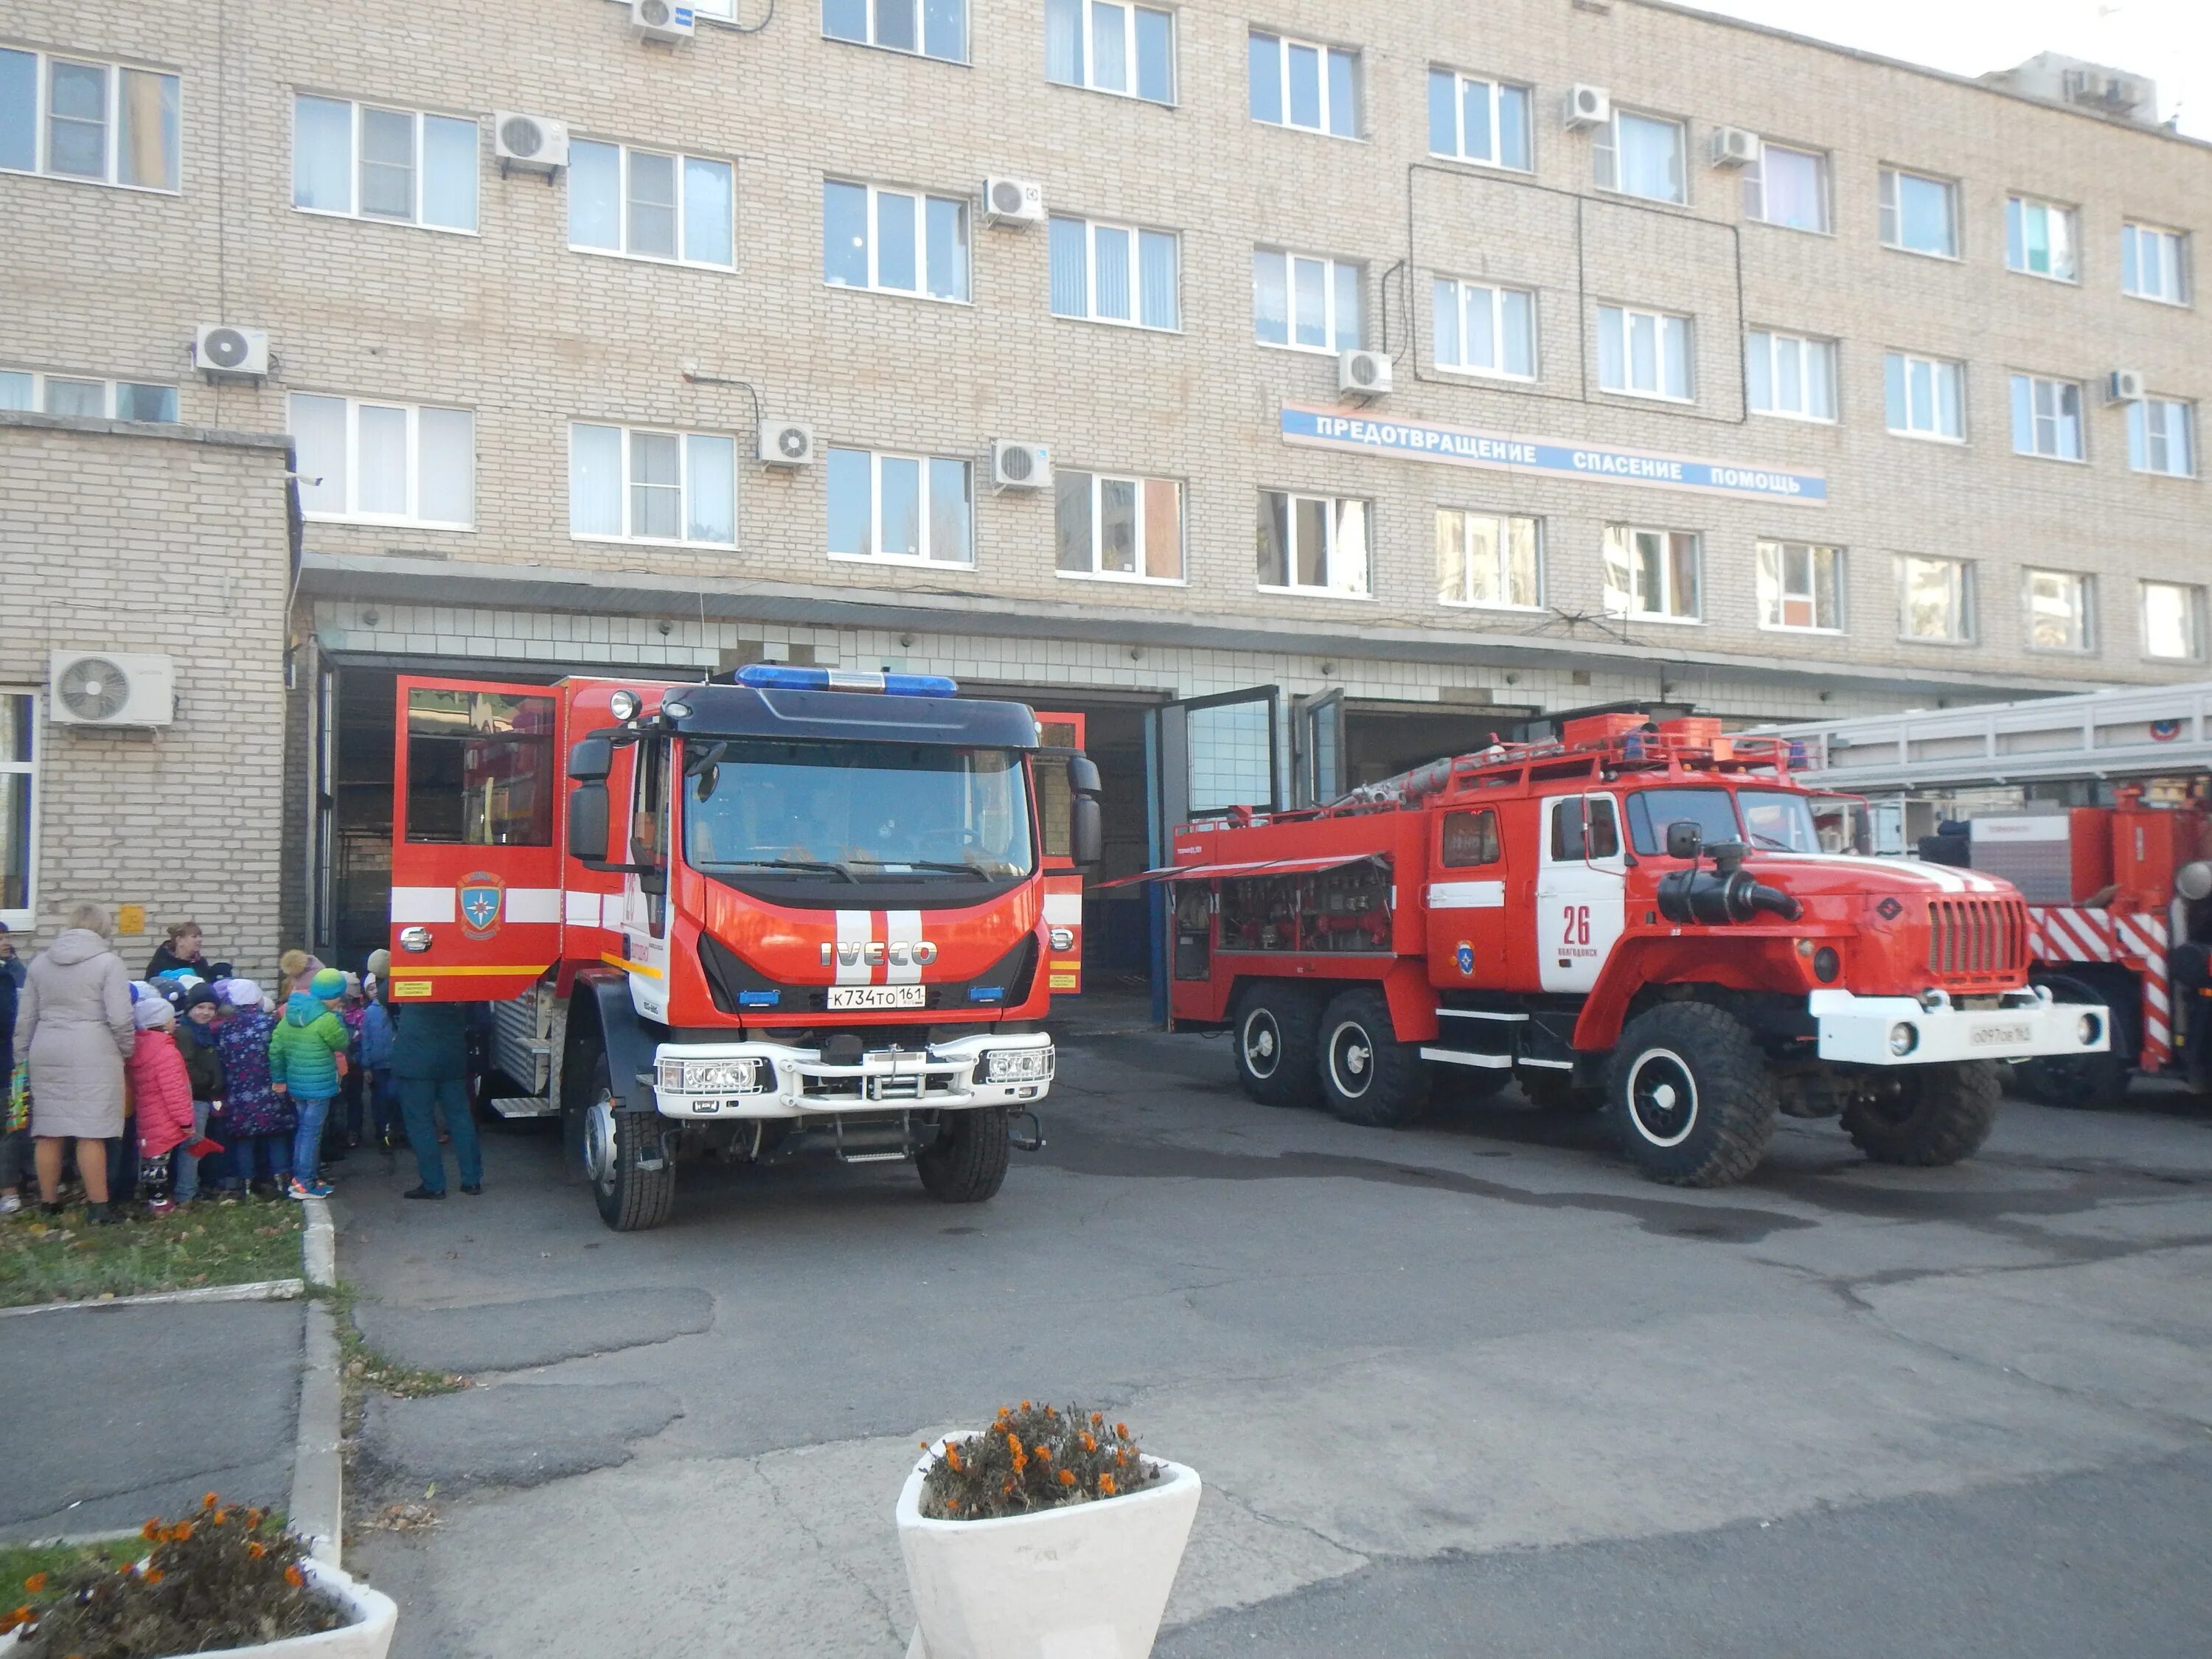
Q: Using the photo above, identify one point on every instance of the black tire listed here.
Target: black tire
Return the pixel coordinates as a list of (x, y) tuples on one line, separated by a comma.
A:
[(1275, 1033), (1367, 1076), (1695, 1099), (631, 1198), (1939, 1115), (2084, 1082), (966, 1163)]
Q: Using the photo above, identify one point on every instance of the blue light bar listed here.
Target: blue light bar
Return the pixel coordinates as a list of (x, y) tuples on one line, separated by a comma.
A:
[(780, 677)]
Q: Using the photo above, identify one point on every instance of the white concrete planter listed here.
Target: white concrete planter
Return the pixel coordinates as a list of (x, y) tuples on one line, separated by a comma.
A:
[(368, 1636), (1087, 1582)]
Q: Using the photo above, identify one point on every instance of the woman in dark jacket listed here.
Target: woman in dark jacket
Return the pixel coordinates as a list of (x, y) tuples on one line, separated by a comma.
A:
[(180, 950)]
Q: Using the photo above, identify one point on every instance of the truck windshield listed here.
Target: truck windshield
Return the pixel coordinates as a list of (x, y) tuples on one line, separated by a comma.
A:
[(1778, 820), (1774, 820), (855, 812)]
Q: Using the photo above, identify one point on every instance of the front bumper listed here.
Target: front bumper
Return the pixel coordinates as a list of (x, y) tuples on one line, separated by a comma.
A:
[(2026, 1025), (796, 1082)]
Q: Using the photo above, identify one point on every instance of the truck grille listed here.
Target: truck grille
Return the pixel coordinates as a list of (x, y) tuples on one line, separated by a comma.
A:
[(1978, 940)]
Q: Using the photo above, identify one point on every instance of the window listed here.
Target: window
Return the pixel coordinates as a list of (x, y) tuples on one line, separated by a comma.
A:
[(2046, 418), (648, 205), (1313, 543), (1644, 353), (1481, 329), (929, 28), (1484, 560), (371, 163), (106, 400), (19, 766), (1919, 215), (631, 484), (1472, 120), (1115, 274), (1800, 586), (1585, 827), (1309, 304), (893, 241), (2058, 617), (1651, 573), (1123, 527), (1641, 156), (1790, 374), (1110, 47), (2162, 437), (1934, 597), (1787, 188), (1471, 839), (2154, 264), (2039, 238), (1925, 397), (915, 509), (480, 768), (2173, 620), (381, 462), (1298, 84), (105, 123)]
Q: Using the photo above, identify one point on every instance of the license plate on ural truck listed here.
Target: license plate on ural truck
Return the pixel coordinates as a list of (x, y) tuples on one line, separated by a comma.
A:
[(879, 996), (1987, 1036)]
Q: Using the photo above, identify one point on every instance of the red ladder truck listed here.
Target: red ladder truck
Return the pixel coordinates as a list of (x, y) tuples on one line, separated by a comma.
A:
[(808, 909), (1634, 916)]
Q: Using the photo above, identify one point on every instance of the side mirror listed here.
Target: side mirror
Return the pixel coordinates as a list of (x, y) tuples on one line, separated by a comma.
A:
[(1083, 776), (1685, 840), (587, 820), (1086, 832), (591, 760)]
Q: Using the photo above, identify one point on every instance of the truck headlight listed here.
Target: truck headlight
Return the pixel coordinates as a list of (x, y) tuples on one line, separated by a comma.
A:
[(1904, 1038), (1017, 1066), (2088, 1029), (710, 1077)]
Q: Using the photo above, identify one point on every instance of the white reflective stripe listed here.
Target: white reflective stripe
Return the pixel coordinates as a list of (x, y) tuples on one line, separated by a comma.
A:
[(901, 927), (855, 679), (1065, 908), (1467, 896), (1935, 875), (583, 910), (422, 904), (1460, 1057), (855, 929), (526, 904)]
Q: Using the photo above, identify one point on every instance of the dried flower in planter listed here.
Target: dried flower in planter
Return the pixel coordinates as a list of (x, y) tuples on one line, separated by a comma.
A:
[(1033, 1457)]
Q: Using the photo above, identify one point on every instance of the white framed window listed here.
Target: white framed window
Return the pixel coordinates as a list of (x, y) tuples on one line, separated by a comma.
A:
[(1121, 528), (1474, 119), (900, 509), (371, 462), (1790, 374), (2041, 239), (1484, 330), (1934, 599), (640, 484), (1642, 156), (2046, 418), (1314, 544), (367, 162), (76, 118), (19, 785), (1652, 575), (1919, 213), (1298, 83), (1306, 302), (2162, 436), (1489, 561), (75, 394), (1924, 396), (1800, 587), (1789, 187), (1643, 354), (652, 204), (2059, 614), (2173, 620), (894, 241), (1108, 46), (1115, 273), (926, 28), (2155, 263)]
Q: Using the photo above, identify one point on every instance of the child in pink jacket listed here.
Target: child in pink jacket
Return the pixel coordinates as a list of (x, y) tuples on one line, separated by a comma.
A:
[(163, 1094)]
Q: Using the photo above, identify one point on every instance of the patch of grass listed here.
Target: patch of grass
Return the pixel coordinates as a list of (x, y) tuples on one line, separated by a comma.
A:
[(21, 1562), (65, 1258)]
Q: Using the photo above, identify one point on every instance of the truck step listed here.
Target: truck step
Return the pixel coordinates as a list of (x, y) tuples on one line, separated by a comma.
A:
[(1468, 1057), (524, 1106)]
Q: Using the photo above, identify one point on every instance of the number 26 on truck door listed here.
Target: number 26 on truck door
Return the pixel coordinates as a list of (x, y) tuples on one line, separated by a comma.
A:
[(1577, 919)]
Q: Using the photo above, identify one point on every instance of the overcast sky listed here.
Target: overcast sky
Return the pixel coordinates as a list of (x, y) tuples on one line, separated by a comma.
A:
[(2169, 41)]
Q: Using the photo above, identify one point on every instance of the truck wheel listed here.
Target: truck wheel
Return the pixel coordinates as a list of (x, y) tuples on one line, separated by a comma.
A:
[(631, 1198), (1367, 1076), (1939, 1115), (2089, 1082), (1696, 1102), (1276, 1027), (966, 1163)]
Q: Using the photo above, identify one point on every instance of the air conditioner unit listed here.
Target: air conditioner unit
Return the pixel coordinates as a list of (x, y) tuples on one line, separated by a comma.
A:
[(1364, 373), (529, 140), (1735, 147), (1588, 106), (786, 443), (219, 349), (1013, 202), (2124, 385), (111, 688), (1020, 467), (660, 20)]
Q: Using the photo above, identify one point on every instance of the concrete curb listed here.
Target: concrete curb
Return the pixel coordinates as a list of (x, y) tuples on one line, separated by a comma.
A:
[(318, 1507), (263, 1290)]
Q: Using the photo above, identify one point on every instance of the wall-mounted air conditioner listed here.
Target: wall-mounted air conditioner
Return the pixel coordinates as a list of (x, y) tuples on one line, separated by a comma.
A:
[(1363, 373), (1020, 467), (529, 140), (1588, 106), (660, 20), (1735, 147), (1013, 202), (785, 443), (111, 687), (219, 350), (2124, 385)]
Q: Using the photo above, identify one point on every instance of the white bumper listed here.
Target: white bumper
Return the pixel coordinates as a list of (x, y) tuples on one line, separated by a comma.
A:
[(1868, 1031), (794, 1082)]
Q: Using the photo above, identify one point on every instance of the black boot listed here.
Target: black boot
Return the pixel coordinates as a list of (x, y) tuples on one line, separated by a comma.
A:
[(102, 1215)]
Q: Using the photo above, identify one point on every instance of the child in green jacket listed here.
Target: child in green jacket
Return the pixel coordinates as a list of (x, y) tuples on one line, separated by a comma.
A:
[(307, 1058)]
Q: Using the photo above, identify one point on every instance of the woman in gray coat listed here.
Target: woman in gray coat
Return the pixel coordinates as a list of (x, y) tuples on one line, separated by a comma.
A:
[(73, 1026)]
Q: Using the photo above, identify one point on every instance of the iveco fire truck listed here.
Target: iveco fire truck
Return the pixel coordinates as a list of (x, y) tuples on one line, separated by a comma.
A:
[(1633, 915), (807, 909)]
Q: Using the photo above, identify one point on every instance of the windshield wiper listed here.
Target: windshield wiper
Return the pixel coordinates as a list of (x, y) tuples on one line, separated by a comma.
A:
[(813, 865), (1769, 841), (963, 868)]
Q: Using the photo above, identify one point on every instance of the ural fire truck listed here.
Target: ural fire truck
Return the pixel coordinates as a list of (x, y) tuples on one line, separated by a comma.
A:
[(807, 909), (1635, 916)]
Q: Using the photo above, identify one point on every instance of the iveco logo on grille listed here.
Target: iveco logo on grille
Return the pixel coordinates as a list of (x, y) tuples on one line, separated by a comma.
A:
[(874, 954)]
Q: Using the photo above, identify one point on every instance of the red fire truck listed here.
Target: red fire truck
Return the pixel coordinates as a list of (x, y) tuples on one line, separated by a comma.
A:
[(807, 909), (1633, 915)]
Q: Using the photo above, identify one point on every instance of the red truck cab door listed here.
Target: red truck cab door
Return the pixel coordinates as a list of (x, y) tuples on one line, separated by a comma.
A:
[(475, 874), (1063, 882), (1470, 944)]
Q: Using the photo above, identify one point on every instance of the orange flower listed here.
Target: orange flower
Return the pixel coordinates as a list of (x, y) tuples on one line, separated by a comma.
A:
[(295, 1578), (209, 1501), (952, 1502), (1089, 1445), (9, 1621), (257, 1549), (35, 1583), (153, 1574), (952, 1457), (1121, 1459), (1068, 1477), (1043, 1452), (1121, 1428), (1025, 1405), (151, 1532), (180, 1532), (1096, 1418), (1105, 1485)]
